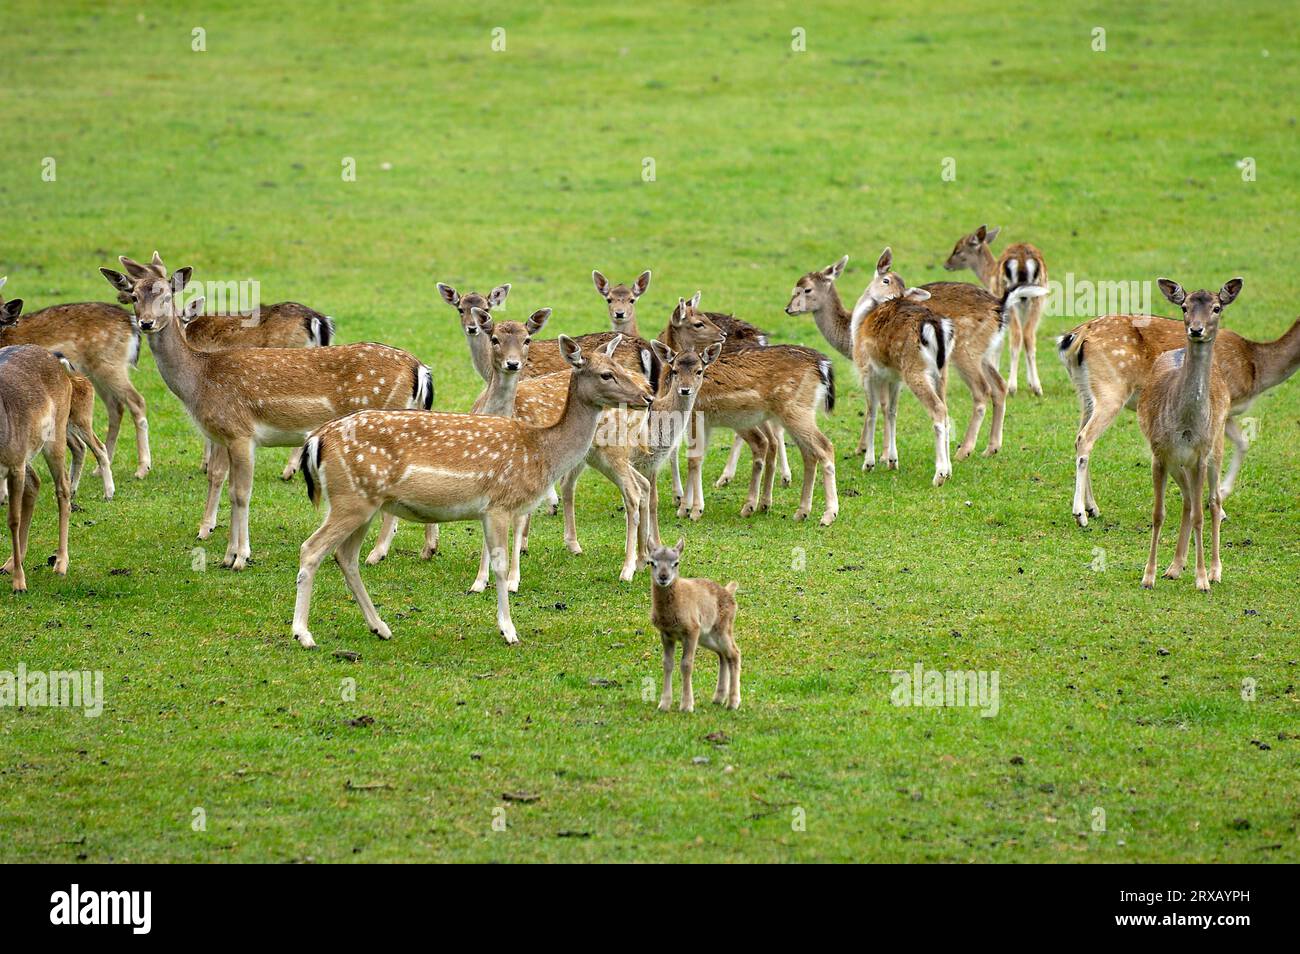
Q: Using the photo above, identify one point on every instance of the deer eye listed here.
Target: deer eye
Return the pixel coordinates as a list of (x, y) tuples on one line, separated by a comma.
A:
[(1216, 309), (528, 340), (607, 376), (884, 281), (496, 340)]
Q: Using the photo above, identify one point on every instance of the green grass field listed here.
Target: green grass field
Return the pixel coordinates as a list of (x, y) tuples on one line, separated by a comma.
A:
[(475, 167)]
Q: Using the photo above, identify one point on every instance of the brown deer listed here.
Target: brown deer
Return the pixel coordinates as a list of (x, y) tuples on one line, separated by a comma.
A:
[(101, 341), (479, 350), (35, 394), (1109, 359), (622, 301), (1182, 411), (1020, 264), (693, 612), (444, 467), (257, 397)]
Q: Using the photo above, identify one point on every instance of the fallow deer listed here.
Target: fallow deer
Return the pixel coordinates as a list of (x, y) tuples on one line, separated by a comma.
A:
[(1109, 359), (693, 612), (444, 467), (1182, 412), (480, 352), (103, 344), (35, 396), (257, 397), (621, 300), (1020, 264)]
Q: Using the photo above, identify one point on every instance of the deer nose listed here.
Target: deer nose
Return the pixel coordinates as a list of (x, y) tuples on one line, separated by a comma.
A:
[(684, 392), (618, 314), (471, 331), (1196, 332), (512, 365)]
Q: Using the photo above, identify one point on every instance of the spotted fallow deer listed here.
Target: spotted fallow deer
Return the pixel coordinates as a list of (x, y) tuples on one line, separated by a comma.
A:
[(445, 467), (1182, 411), (258, 397), (35, 395), (103, 344), (1109, 359), (1020, 264), (979, 322)]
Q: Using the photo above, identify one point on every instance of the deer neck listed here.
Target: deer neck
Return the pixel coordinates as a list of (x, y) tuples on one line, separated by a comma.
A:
[(1191, 391), (986, 268), (663, 600), (666, 422), (835, 324), (480, 352), (1275, 361), (566, 442), (499, 397), (178, 363), (628, 328)]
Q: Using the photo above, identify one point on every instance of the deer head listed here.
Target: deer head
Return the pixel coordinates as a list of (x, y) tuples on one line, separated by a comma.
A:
[(663, 562), (966, 253), (149, 290), (816, 289), (1202, 310), (465, 304), (685, 369), (692, 329), (621, 298), (598, 380), (509, 339)]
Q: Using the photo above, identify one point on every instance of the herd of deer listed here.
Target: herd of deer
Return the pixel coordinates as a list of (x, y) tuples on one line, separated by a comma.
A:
[(360, 417)]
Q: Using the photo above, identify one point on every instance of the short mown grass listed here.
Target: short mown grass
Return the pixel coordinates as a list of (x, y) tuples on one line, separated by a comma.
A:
[(476, 167)]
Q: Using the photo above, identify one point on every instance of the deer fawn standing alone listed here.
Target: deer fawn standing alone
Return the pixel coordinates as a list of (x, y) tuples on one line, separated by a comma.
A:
[(431, 467), (1019, 265), (693, 612), (1182, 412), (35, 395)]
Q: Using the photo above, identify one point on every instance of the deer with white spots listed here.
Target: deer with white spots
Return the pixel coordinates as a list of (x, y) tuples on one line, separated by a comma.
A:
[(259, 397), (1020, 265), (440, 467)]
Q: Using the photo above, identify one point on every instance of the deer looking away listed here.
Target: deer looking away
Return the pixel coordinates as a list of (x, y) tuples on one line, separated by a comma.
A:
[(35, 396), (257, 397), (101, 342), (1182, 412), (442, 467), (1109, 360), (693, 612)]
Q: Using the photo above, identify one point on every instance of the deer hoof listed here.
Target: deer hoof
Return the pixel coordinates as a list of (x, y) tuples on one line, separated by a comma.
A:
[(962, 453), (722, 481), (747, 510), (141, 472), (426, 553), (800, 515), (868, 464), (828, 518), (382, 630), (696, 514), (60, 565), (785, 480), (665, 705), (511, 638), (375, 557), (304, 639), (1148, 582)]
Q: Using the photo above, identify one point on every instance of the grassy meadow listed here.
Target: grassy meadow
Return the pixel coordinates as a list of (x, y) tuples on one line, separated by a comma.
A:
[(1123, 732)]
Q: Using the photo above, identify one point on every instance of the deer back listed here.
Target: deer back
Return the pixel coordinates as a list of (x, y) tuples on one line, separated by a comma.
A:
[(95, 336), (283, 325), (769, 379)]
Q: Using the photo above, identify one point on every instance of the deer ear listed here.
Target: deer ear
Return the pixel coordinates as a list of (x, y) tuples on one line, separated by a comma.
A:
[(613, 343), (1229, 292), (1172, 290), (6, 278), (482, 319), (681, 546), (916, 294), (834, 271), (192, 309), (10, 311), (679, 313), (134, 268), (711, 353), (601, 283), (885, 262), (536, 320), (118, 280), (662, 351), (641, 284), (181, 278), (992, 234), (981, 233), (695, 300), (449, 295), (571, 351), (498, 295)]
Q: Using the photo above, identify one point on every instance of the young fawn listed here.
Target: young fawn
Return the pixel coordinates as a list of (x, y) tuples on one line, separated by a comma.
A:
[(1109, 359), (100, 340), (1019, 265), (35, 395), (246, 398), (439, 467), (693, 612), (1182, 412)]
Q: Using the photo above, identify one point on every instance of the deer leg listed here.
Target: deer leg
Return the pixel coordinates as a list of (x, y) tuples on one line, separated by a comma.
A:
[(77, 448), (84, 433), (815, 448), (923, 387), (292, 464), (1017, 342), (569, 487), (218, 468), (782, 461), (733, 461), (135, 404), (240, 491), (979, 396), (1216, 515), (892, 390), (1198, 478), (1105, 408), (758, 440), (552, 501), (724, 681), (769, 476), (1239, 444), (998, 394), (635, 491), (517, 532), (54, 453), (207, 455), (733, 669), (666, 694), (1158, 480), (689, 645), (675, 468), (431, 541), (1175, 569), (496, 532), (697, 485), (16, 482), (867, 442), (114, 407), (484, 564), (1033, 310), (387, 531), (341, 521), (346, 556)]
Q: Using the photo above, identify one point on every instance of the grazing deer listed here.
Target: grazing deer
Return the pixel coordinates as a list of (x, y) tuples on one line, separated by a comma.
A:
[(693, 612), (1182, 412), (979, 322), (1109, 359), (1019, 265), (101, 341), (35, 394), (508, 341), (443, 467), (257, 397), (622, 301), (479, 350)]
